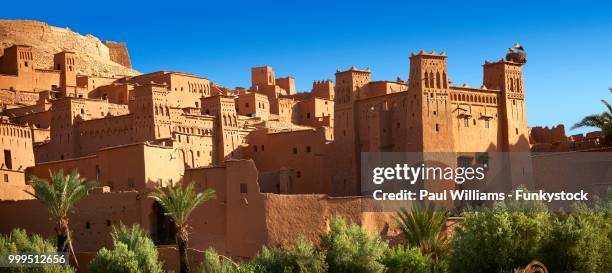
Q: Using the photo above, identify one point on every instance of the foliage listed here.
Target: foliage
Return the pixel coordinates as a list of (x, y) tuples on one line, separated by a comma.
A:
[(179, 202), (215, 263), (400, 259), (348, 248), (19, 241), (602, 121), (133, 251), (59, 196), (425, 228), (496, 240), (303, 258), (581, 241)]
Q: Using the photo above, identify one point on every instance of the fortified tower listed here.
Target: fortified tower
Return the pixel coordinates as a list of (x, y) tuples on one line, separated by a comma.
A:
[(151, 112), (227, 134), (18, 60), (507, 76), (346, 180), (66, 64), (429, 84)]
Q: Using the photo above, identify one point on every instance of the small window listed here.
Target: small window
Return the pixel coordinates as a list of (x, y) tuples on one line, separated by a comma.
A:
[(243, 188), (308, 115), (87, 225), (8, 159), (6, 178), (108, 223), (255, 148), (437, 127), (26, 64), (294, 150), (308, 149), (516, 130), (263, 148), (298, 174), (466, 122), (486, 123)]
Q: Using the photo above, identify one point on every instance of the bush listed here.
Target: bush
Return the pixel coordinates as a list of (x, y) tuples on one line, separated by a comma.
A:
[(405, 260), (214, 263), (303, 258), (19, 241), (494, 241), (348, 248), (580, 242), (133, 251)]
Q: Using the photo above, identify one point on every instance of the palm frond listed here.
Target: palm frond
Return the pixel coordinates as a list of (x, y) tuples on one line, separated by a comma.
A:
[(179, 202)]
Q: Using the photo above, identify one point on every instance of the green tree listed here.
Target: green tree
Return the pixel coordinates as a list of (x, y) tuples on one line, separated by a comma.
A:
[(179, 202), (59, 196), (496, 240), (425, 228), (133, 252), (400, 259), (350, 249), (19, 241), (602, 121), (302, 258)]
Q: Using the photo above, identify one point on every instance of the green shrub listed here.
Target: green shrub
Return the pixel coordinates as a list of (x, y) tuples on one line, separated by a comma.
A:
[(214, 263), (494, 241), (133, 251), (348, 248), (19, 241), (405, 260), (303, 258)]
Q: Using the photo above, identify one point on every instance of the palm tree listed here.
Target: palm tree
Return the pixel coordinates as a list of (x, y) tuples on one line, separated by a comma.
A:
[(602, 121), (179, 202), (59, 196), (425, 228)]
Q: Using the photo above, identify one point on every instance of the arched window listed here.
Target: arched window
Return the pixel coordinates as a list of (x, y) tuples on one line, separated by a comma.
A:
[(444, 80), (426, 80), (431, 79), (438, 83)]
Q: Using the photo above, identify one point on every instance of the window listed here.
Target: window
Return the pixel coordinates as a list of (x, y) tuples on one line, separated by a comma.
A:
[(308, 149), (298, 174), (437, 127), (243, 188), (487, 123), (6, 178), (255, 148), (466, 122), (8, 159), (307, 115), (87, 225), (108, 223), (26, 64), (516, 130), (263, 148), (294, 150)]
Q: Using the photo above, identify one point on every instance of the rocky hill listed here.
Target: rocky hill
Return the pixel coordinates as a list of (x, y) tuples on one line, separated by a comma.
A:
[(94, 57)]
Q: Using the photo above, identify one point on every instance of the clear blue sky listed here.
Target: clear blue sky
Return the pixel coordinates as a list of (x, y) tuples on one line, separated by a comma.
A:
[(569, 42)]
